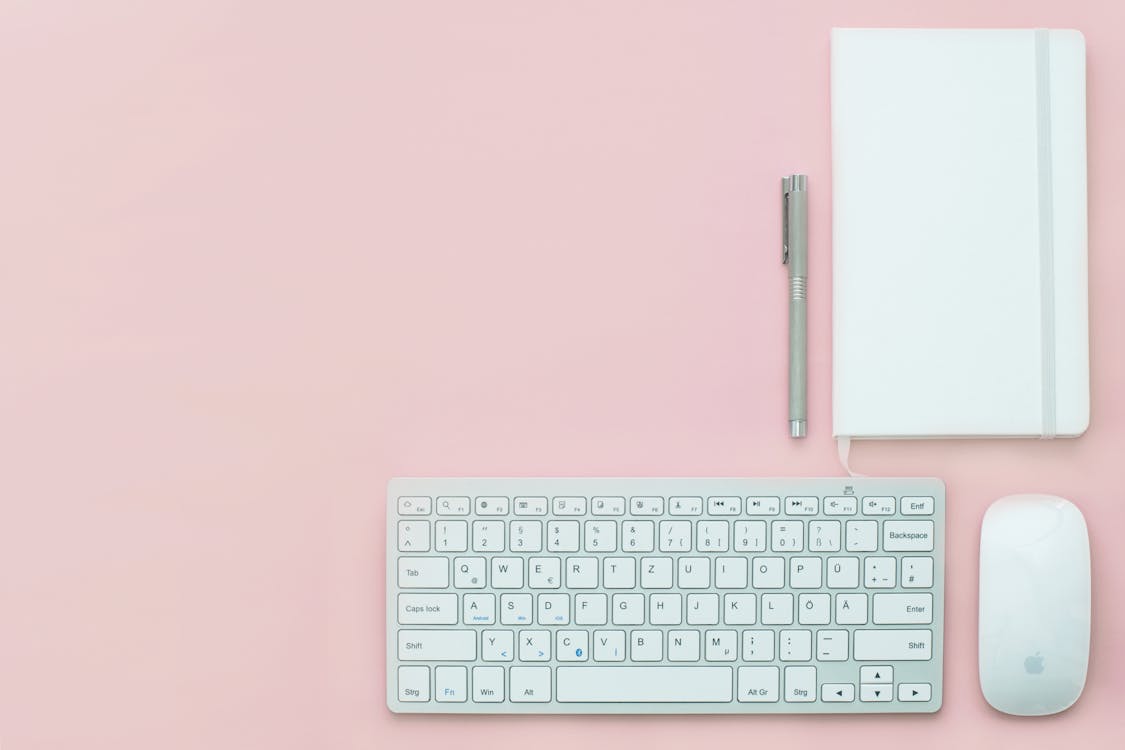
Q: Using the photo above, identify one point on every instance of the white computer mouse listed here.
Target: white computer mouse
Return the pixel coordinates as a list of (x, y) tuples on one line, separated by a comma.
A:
[(1034, 604)]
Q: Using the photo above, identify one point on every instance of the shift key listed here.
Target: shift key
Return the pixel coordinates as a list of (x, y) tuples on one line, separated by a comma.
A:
[(437, 645), (893, 645)]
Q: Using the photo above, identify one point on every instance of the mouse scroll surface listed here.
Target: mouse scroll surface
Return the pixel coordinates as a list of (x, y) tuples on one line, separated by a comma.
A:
[(1034, 604)]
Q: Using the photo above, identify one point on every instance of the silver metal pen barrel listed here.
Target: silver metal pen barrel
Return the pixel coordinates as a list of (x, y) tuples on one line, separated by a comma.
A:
[(795, 254)]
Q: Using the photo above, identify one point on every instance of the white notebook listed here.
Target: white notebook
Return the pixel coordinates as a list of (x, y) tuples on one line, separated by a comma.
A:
[(959, 233)]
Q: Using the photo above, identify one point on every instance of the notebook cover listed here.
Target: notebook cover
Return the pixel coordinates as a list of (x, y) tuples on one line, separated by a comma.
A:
[(959, 233)]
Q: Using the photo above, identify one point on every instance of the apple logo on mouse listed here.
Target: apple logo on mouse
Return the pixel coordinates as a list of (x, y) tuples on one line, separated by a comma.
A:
[(1033, 664)]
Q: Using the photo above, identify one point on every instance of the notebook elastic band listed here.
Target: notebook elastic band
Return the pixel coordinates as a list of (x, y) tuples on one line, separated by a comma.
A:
[(1046, 229)]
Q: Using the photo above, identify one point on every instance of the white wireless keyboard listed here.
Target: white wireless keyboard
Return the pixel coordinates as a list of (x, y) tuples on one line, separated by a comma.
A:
[(665, 595)]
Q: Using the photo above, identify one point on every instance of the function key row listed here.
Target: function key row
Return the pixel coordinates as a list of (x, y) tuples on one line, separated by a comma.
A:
[(846, 505)]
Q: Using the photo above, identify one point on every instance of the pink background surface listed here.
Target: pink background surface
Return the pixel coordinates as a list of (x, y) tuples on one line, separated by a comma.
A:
[(258, 258)]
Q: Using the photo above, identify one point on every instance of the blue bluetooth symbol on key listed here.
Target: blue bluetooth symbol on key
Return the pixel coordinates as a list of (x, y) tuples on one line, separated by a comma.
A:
[(578, 652)]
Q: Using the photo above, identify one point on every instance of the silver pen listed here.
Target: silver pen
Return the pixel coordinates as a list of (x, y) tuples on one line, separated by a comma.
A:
[(795, 254)]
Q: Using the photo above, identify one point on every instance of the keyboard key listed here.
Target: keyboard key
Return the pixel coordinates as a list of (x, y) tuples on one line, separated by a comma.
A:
[(908, 536), (693, 573), (525, 536), (703, 609), (468, 572), (814, 609), (875, 693), (739, 609), (638, 536), (530, 684), (795, 645), (720, 645), (787, 536), (569, 506), (601, 536), (553, 609), (758, 645), (423, 572), (712, 536), (628, 609), (562, 536), (414, 506), (619, 572), (893, 645), (609, 645), (731, 572), (453, 506), (607, 506), (685, 506), (646, 645), (488, 684), (497, 645), (414, 684), (800, 684), (437, 645), (861, 536), (832, 645), (488, 536), (414, 536), (644, 684), (804, 572), (902, 609), (427, 609), (646, 506), (878, 506), (675, 536), (777, 609), (581, 572), (534, 645), (572, 645), (657, 573), (914, 691), (758, 684), (841, 506), (769, 572), (665, 609), (837, 692), (843, 572), (802, 506), (591, 609), (851, 609), (492, 506), (507, 573), (478, 609), (724, 506), (824, 536), (544, 572), (530, 506), (451, 536), (515, 609), (683, 645), (763, 506), (917, 572), (879, 572), (451, 684), (882, 675), (749, 536), (917, 506)]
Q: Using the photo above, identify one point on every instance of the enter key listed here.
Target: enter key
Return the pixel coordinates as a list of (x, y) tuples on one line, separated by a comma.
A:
[(902, 609)]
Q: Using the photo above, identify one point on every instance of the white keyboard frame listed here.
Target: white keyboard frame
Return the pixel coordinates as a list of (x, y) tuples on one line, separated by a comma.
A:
[(928, 671)]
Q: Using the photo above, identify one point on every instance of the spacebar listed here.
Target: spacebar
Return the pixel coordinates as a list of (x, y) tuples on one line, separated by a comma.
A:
[(643, 684)]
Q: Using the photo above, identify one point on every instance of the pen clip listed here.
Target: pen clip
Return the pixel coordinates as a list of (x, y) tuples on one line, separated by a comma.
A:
[(786, 184)]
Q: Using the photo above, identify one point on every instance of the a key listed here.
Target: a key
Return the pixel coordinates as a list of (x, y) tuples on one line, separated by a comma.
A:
[(453, 506), (572, 645), (893, 645), (525, 536), (878, 506), (437, 645), (534, 645), (914, 691), (795, 645), (916, 506), (665, 609), (832, 645), (712, 536), (656, 573), (693, 572), (451, 536), (581, 572), (787, 536), (724, 506), (646, 506), (544, 572), (562, 536), (414, 506), (488, 536), (814, 609), (739, 609), (529, 684), (703, 609), (638, 536), (720, 645), (861, 536), (749, 536), (591, 609), (646, 645), (843, 572), (423, 572), (730, 572), (414, 684), (908, 536), (837, 692), (763, 506), (515, 609), (530, 506), (488, 684), (607, 506), (569, 506), (644, 684), (851, 609), (554, 609), (414, 535), (685, 506), (683, 645), (601, 536), (497, 645), (759, 684), (507, 573), (800, 684), (492, 506), (619, 572), (768, 572), (879, 572), (824, 536), (917, 572), (902, 609), (609, 645), (881, 675), (675, 536), (757, 645), (840, 506), (804, 572), (427, 609), (628, 609), (451, 684), (802, 506), (875, 693), (468, 572), (478, 609), (777, 609)]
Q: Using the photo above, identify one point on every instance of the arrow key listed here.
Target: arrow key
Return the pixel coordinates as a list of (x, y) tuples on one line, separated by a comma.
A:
[(914, 691), (875, 693), (877, 675), (837, 692)]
